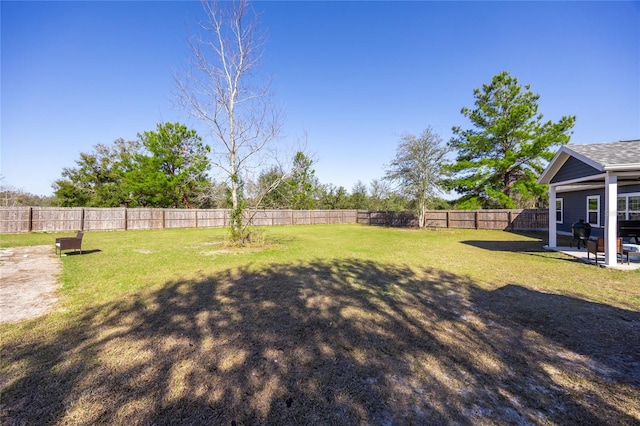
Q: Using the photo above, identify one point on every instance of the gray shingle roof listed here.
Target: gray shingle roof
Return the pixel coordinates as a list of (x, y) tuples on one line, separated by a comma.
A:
[(623, 156), (610, 153)]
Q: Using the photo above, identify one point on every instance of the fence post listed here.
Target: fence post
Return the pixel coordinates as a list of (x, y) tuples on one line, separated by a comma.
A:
[(163, 219), (30, 219), (477, 220), (126, 219), (510, 219), (82, 219), (447, 217)]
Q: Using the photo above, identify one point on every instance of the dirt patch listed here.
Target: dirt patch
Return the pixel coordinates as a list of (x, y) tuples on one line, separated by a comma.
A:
[(28, 282)]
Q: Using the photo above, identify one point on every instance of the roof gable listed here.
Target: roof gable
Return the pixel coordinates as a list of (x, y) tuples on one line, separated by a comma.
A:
[(599, 157), (574, 168)]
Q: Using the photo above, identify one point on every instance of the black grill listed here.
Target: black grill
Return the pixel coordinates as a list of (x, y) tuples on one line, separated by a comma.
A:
[(581, 232)]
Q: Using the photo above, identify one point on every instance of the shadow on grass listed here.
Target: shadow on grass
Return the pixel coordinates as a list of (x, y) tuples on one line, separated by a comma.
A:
[(530, 248), (508, 246), (78, 253), (340, 342), (582, 327)]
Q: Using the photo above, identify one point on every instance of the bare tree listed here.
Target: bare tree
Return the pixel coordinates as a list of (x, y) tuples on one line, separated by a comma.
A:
[(11, 196), (418, 168), (220, 88)]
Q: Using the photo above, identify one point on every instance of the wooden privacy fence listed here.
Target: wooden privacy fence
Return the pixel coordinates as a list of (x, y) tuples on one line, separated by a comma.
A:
[(63, 219), (516, 219)]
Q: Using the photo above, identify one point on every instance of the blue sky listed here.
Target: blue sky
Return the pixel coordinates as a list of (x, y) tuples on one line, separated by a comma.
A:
[(353, 76)]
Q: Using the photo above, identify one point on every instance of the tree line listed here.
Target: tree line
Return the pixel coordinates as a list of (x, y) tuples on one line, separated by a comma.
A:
[(497, 165), (493, 163), (167, 168)]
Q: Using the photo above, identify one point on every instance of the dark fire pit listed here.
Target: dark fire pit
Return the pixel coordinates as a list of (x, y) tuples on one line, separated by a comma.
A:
[(581, 232)]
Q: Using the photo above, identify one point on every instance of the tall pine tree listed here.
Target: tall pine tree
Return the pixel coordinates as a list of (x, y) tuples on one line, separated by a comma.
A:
[(500, 158)]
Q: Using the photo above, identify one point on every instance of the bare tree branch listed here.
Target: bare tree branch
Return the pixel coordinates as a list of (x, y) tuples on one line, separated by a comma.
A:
[(220, 88)]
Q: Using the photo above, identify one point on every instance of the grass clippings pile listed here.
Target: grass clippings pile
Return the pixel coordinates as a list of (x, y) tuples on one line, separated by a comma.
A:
[(292, 336)]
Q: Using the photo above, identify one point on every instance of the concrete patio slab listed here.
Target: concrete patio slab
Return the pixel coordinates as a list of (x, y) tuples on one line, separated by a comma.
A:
[(581, 254)]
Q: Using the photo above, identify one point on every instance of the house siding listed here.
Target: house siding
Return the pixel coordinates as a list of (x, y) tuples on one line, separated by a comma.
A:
[(575, 208), (574, 169)]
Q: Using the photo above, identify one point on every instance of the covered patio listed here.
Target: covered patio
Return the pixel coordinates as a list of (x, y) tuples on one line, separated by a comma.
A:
[(598, 183), (581, 254)]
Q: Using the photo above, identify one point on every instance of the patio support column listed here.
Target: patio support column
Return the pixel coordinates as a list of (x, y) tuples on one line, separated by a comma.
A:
[(610, 219), (552, 216)]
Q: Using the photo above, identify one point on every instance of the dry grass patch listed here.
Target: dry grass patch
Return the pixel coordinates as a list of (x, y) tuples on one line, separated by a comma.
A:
[(342, 339)]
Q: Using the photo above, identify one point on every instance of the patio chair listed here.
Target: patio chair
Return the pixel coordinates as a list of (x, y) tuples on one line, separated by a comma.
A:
[(69, 243), (597, 246)]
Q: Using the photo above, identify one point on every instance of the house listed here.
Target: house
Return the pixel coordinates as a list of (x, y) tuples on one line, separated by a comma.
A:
[(599, 183)]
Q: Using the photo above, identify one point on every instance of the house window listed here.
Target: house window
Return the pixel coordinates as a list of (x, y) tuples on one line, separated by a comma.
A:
[(634, 207), (593, 210), (629, 206), (559, 209), (622, 208)]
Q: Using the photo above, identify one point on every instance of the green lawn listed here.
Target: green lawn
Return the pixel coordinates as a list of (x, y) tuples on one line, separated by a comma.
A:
[(340, 324)]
